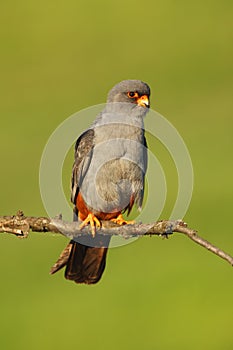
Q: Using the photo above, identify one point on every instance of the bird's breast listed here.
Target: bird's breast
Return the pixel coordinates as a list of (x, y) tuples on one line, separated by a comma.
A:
[(116, 171)]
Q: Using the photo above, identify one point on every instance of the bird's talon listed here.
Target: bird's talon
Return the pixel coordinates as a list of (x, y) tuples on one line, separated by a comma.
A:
[(121, 221), (93, 221)]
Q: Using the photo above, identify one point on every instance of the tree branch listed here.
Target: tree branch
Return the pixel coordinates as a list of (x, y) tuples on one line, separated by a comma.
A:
[(20, 226)]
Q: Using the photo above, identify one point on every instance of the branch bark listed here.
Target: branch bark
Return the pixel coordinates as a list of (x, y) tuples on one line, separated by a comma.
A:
[(20, 226)]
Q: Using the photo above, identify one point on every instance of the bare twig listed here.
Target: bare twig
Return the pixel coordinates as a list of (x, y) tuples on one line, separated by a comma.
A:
[(20, 226)]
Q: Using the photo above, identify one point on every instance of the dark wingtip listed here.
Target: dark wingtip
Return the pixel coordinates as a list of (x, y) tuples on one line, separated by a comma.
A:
[(62, 260)]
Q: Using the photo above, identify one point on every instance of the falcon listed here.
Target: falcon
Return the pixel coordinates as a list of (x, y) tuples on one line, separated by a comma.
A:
[(107, 177)]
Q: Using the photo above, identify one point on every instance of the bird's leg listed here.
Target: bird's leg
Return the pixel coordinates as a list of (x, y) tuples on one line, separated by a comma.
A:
[(121, 221), (93, 221)]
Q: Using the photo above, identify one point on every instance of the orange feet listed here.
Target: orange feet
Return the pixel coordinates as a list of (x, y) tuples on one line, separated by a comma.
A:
[(93, 221), (121, 221)]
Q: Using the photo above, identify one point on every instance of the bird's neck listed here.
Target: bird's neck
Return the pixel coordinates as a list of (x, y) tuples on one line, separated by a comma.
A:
[(120, 116)]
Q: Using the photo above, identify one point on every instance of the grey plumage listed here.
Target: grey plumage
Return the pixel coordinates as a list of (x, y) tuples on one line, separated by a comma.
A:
[(111, 157), (108, 172)]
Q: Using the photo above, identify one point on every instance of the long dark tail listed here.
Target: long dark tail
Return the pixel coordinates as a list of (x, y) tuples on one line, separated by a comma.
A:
[(84, 263)]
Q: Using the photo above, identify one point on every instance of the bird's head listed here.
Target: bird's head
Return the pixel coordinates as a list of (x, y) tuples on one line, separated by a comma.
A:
[(133, 94)]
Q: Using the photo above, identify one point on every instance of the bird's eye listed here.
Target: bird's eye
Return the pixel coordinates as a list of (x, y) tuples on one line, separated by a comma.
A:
[(132, 94)]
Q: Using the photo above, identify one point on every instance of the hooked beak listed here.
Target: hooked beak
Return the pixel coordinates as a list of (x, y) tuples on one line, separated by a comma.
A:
[(143, 101)]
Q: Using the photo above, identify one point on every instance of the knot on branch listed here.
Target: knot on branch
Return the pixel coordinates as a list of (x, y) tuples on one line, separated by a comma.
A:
[(16, 224)]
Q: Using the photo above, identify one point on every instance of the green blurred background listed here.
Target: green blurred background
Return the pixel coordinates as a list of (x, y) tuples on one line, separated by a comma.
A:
[(60, 57)]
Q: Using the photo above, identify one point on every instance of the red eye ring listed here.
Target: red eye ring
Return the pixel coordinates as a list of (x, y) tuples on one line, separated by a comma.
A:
[(132, 94)]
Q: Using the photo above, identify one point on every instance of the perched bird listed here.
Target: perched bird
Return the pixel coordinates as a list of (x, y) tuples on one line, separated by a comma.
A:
[(107, 177)]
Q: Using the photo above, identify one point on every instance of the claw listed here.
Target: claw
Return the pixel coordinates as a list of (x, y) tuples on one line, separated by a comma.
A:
[(93, 221), (121, 221)]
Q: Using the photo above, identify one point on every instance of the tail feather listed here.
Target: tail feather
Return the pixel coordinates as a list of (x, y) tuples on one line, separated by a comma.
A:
[(84, 263)]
